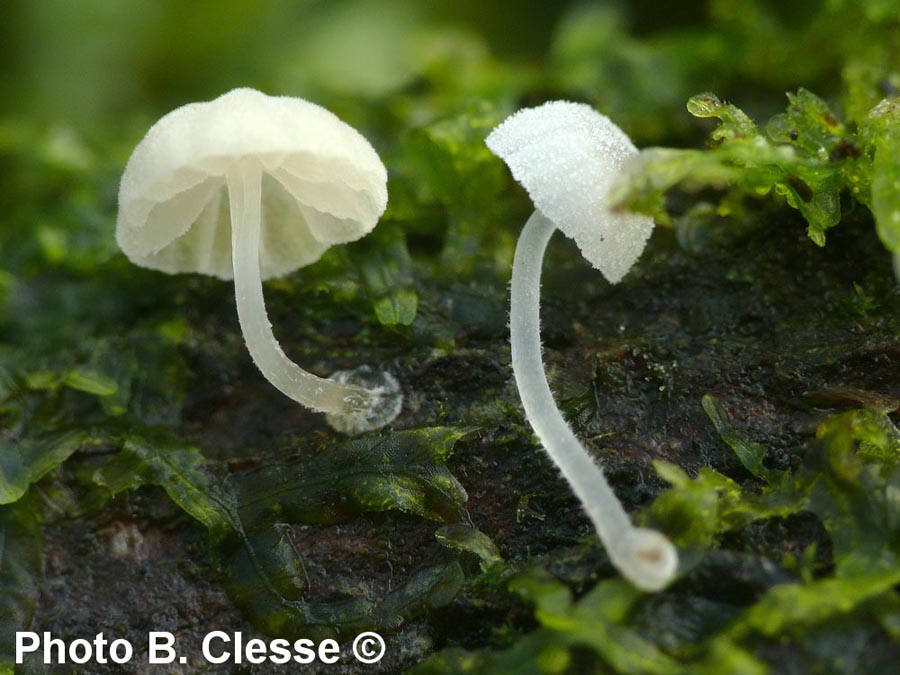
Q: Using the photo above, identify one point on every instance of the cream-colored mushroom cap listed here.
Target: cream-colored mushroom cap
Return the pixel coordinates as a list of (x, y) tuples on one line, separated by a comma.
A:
[(567, 155), (322, 184)]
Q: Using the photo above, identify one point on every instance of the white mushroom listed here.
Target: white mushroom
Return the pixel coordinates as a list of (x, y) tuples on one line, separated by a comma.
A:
[(250, 187), (567, 155)]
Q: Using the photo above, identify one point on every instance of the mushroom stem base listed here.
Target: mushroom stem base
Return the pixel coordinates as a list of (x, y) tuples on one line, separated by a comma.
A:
[(627, 546)]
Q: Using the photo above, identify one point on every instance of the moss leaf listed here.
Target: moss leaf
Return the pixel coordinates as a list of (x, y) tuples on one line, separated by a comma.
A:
[(749, 452), (807, 155), (466, 538), (884, 127), (597, 622), (21, 559), (387, 274), (27, 460), (179, 470)]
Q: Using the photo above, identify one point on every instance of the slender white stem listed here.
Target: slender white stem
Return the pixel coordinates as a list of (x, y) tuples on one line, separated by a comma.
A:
[(579, 469), (631, 550), (317, 393)]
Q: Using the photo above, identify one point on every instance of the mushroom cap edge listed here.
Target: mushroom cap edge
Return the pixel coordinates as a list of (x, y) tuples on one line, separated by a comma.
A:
[(322, 181), (567, 155)]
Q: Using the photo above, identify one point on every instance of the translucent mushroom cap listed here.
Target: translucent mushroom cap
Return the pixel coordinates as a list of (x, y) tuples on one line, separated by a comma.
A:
[(567, 155), (322, 184)]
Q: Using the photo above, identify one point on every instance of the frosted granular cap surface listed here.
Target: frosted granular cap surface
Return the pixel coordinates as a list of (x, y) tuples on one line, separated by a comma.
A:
[(567, 155)]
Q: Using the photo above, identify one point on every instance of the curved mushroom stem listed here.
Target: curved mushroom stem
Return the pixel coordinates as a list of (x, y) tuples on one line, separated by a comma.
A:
[(337, 399), (644, 557)]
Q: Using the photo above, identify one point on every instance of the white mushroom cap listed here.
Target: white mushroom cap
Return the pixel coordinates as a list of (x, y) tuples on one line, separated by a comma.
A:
[(567, 155), (322, 184)]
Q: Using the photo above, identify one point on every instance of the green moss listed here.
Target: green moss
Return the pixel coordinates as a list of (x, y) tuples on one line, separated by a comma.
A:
[(855, 498), (21, 555), (806, 155), (247, 516)]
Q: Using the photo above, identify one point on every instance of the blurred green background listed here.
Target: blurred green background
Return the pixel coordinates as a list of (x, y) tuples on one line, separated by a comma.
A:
[(95, 351), (92, 62), (97, 62)]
